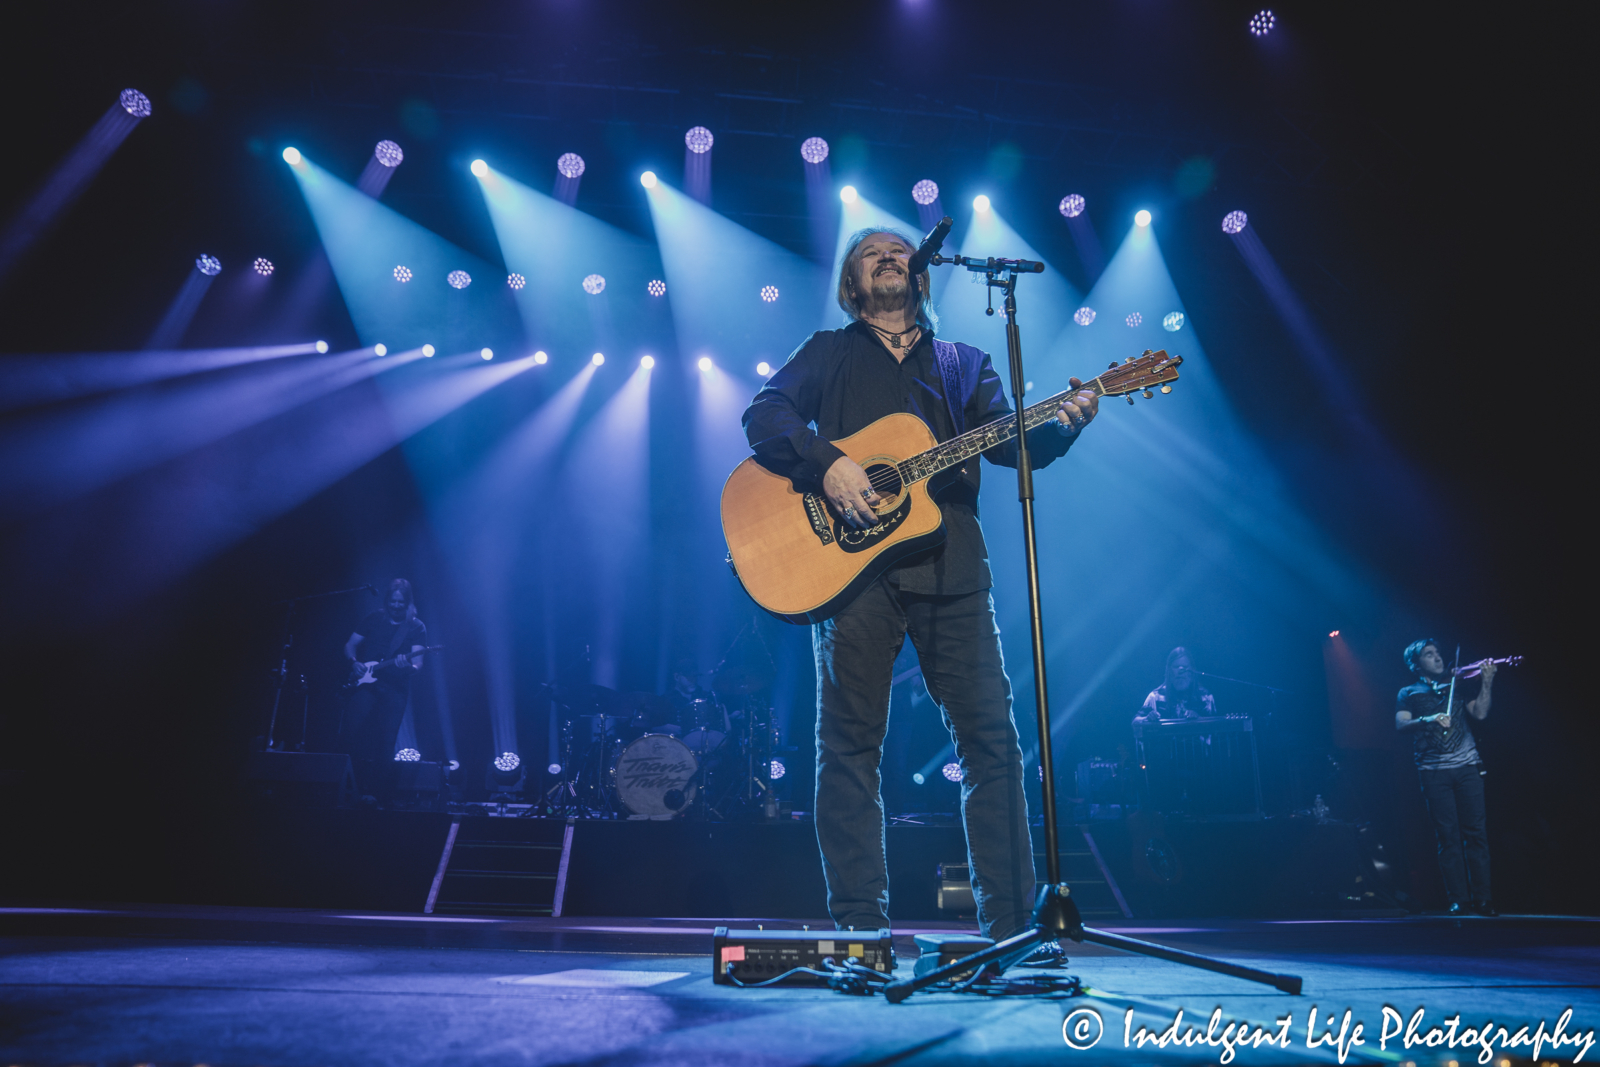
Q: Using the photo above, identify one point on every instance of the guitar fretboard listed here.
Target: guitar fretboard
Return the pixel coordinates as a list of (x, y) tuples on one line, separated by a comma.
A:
[(958, 450)]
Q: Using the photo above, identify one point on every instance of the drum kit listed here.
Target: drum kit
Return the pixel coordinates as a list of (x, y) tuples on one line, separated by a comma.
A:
[(705, 755)]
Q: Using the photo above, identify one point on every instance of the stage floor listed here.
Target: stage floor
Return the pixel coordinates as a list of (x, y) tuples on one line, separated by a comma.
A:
[(224, 986)]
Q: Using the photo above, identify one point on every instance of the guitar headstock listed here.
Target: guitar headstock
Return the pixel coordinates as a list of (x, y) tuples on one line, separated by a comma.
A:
[(1141, 373)]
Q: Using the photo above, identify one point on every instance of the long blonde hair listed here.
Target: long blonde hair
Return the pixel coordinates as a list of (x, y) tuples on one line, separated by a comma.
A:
[(849, 301)]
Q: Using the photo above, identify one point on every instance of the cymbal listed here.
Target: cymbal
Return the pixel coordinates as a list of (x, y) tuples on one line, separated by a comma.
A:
[(739, 681)]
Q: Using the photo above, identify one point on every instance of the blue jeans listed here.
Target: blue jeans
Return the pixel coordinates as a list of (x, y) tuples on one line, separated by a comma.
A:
[(1455, 802), (958, 646)]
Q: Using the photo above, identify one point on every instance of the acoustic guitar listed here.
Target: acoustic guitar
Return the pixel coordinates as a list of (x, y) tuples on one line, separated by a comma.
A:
[(802, 563)]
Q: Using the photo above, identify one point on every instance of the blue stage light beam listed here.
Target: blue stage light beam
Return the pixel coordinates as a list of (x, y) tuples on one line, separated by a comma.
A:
[(365, 240), (180, 313), (715, 270), (71, 176), (30, 380), (555, 247)]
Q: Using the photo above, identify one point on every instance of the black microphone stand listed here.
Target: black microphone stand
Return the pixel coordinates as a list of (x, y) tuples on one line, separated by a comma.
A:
[(1055, 914), (282, 672)]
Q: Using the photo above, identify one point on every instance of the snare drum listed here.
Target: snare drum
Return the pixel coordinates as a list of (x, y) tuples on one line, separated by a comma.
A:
[(652, 777)]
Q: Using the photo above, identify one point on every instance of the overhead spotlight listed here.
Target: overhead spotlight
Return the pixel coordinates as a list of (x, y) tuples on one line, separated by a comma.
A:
[(487, 353), (515, 280), (428, 350), (704, 363), (848, 194), (137, 104), (919, 778), (813, 150), (769, 293), (925, 192), (1333, 633), (570, 165), (1083, 316), (776, 770), (505, 768), (210, 266), (1235, 222), (647, 362), (541, 357), (952, 771), (380, 349), (1072, 205), (763, 368), (1134, 318), (699, 140), (656, 287), (980, 203), (407, 755), (1173, 322), (598, 358), (480, 168), (262, 266), (1261, 22), (458, 279), (648, 179), (322, 347), (554, 768), (402, 274), (388, 153), (291, 156), (1141, 217), (594, 285)]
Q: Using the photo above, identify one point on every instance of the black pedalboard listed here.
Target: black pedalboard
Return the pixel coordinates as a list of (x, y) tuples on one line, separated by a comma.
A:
[(761, 955)]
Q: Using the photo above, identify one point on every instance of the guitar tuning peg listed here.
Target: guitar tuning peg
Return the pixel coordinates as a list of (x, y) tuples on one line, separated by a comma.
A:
[(1148, 352), (1128, 360), (1130, 399), (1166, 388), (1148, 395), (1113, 365)]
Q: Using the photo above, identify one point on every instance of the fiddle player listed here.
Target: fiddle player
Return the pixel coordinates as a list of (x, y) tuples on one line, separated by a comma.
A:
[(1437, 716)]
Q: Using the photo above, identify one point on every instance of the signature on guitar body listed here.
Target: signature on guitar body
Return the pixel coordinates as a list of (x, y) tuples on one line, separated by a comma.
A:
[(803, 564)]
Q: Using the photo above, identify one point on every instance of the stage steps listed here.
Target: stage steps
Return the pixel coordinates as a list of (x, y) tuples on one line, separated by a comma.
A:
[(502, 867)]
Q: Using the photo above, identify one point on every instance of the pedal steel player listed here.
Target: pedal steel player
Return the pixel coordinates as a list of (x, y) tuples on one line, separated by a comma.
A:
[(1450, 770), (885, 361)]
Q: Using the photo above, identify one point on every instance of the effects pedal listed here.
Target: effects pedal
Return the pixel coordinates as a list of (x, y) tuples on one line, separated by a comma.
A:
[(762, 955)]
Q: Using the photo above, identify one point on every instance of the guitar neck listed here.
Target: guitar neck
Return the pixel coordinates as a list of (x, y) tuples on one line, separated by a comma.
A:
[(958, 450)]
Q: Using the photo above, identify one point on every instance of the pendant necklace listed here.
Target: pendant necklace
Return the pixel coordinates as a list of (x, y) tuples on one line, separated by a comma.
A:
[(894, 338)]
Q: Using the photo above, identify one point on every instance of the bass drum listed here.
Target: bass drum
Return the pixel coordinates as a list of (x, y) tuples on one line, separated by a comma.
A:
[(653, 777)]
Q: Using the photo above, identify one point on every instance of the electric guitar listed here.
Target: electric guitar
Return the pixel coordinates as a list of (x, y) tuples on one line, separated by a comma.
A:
[(803, 564), (367, 673)]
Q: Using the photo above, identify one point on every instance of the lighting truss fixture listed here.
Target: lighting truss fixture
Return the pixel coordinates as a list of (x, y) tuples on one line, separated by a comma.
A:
[(848, 194), (763, 368), (980, 203), (769, 293), (542, 357), (134, 103), (1235, 222), (1083, 316), (380, 349), (594, 285), (458, 279), (322, 348), (1173, 322), (389, 154), (952, 771), (1072, 205), (480, 168), (925, 192), (1134, 318), (428, 351), (402, 274), (570, 165), (291, 156), (813, 150), (648, 179), (515, 280), (1262, 21), (919, 778), (210, 266), (598, 358), (407, 755), (486, 353), (699, 140), (507, 762), (1141, 217), (704, 363), (647, 362), (776, 770), (262, 266), (656, 287)]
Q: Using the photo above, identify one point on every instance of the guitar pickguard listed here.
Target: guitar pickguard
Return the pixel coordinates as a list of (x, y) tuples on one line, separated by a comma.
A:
[(852, 540)]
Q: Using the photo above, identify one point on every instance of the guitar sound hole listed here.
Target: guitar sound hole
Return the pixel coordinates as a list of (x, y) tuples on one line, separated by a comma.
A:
[(886, 480)]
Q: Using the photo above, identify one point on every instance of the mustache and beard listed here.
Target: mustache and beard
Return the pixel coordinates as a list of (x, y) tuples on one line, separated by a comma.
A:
[(888, 290)]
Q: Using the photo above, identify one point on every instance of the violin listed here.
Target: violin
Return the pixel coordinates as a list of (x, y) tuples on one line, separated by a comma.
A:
[(1472, 670)]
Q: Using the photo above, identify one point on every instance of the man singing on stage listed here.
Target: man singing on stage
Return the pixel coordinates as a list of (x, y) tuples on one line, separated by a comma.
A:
[(1451, 772), (886, 361)]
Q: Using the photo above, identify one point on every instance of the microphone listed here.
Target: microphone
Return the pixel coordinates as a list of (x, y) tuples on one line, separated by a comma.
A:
[(371, 590), (930, 245)]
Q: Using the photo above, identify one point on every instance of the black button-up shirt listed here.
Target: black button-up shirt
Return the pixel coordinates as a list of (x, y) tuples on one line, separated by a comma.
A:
[(840, 381)]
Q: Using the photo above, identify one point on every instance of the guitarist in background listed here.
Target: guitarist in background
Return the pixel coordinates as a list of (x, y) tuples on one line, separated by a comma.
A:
[(394, 637), (886, 360)]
